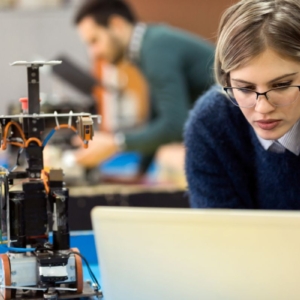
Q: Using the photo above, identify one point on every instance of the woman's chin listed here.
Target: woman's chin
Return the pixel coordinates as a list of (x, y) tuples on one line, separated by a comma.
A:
[(274, 134)]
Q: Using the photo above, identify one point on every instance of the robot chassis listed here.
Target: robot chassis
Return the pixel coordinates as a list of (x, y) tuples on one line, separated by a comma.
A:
[(33, 202)]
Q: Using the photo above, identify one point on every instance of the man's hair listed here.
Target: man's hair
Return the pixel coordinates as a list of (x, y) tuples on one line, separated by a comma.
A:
[(250, 26), (102, 10)]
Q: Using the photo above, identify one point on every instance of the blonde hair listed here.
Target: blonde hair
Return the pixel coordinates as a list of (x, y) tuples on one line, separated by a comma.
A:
[(250, 26)]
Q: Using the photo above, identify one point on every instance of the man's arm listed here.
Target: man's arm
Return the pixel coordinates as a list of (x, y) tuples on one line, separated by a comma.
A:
[(171, 103), (171, 62)]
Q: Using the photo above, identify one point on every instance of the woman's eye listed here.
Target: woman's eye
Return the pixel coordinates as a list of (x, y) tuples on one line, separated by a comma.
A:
[(245, 90), (251, 88), (282, 84)]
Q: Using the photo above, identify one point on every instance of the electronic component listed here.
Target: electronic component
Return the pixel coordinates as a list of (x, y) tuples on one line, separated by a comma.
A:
[(85, 129), (34, 202)]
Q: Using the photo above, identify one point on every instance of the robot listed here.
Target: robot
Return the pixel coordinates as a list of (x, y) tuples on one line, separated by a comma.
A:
[(34, 202)]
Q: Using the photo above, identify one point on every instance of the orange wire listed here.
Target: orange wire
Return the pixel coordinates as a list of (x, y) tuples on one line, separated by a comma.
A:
[(16, 144), (45, 177), (45, 180), (33, 139), (74, 129), (6, 129), (66, 126), (26, 142), (18, 127)]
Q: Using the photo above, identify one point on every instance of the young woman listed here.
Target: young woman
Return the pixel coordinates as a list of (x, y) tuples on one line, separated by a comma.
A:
[(243, 136)]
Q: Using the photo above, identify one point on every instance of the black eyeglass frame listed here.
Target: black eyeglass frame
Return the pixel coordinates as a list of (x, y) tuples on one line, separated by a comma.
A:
[(260, 94)]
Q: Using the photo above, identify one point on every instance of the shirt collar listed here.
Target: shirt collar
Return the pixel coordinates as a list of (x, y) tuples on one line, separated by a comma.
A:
[(135, 43), (290, 141)]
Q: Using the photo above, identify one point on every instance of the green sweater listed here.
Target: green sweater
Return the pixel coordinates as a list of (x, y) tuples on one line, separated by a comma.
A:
[(179, 68)]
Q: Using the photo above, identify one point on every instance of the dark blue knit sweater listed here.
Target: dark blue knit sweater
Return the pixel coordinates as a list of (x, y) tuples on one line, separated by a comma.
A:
[(226, 165)]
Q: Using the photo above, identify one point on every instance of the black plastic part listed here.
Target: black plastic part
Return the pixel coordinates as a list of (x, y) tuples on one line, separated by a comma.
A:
[(17, 175), (61, 240), (34, 155), (17, 219), (53, 279), (4, 121), (56, 184), (33, 186), (33, 90), (33, 127), (53, 260), (35, 210), (59, 200)]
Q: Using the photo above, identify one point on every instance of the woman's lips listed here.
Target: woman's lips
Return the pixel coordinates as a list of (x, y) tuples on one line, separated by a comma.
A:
[(267, 124)]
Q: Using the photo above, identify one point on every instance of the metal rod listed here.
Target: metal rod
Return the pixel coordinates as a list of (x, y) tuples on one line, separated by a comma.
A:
[(36, 289), (6, 195), (48, 115), (33, 90)]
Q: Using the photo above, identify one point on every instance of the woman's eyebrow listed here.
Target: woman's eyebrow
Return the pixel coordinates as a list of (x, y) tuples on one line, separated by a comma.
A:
[(282, 77), (271, 81), (242, 81)]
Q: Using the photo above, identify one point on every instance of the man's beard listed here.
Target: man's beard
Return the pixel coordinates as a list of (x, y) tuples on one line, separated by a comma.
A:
[(118, 57), (118, 53)]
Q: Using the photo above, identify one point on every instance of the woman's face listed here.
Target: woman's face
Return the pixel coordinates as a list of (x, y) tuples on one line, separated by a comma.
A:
[(264, 72)]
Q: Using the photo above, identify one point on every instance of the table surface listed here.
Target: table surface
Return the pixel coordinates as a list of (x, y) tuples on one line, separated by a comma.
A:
[(84, 241)]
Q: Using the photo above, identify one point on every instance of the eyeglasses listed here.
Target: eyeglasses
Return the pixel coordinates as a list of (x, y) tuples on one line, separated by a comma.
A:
[(280, 96)]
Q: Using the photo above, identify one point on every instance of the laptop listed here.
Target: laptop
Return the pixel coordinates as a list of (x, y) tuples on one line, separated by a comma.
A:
[(185, 254)]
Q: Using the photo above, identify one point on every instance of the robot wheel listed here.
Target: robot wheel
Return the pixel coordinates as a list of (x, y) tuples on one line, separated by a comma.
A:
[(5, 276)]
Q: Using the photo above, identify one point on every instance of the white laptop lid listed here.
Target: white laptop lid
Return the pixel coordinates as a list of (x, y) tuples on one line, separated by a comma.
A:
[(178, 254)]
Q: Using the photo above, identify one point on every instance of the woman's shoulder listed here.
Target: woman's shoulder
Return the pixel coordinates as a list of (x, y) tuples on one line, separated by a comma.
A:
[(213, 107), (215, 117), (212, 101)]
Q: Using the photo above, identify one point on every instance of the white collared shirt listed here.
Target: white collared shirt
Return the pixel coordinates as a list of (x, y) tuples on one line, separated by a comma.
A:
[(135, 43), (290, 141)]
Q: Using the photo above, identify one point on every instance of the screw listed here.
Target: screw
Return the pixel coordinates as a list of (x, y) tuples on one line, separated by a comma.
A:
[(13, 272), (13, 283), (72, 267), (34, 129)]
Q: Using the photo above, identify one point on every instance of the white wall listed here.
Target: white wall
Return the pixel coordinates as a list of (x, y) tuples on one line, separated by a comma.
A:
[(31, 35)]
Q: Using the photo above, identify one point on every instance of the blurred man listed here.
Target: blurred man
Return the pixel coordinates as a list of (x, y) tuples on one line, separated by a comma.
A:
[(177, 66)]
